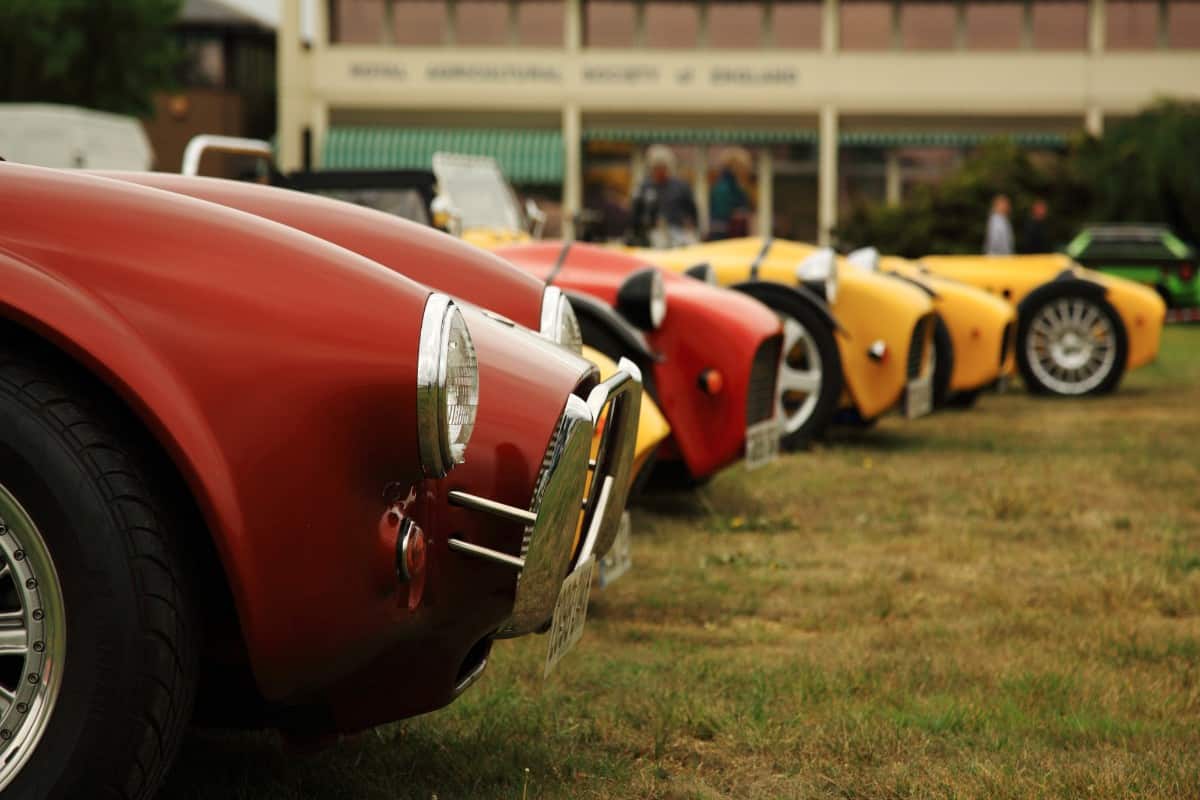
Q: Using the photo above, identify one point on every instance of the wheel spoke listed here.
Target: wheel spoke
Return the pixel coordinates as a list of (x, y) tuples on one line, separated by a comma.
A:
[(5, 571), (7, 698), (795, 380)]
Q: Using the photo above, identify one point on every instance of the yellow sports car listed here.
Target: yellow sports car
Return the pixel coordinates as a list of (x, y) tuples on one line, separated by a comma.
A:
[(854, 341), (652, 425), (1077, 330), (974, 335)]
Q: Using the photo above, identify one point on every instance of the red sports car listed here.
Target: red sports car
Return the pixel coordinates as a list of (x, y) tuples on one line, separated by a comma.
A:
[(223, 440)]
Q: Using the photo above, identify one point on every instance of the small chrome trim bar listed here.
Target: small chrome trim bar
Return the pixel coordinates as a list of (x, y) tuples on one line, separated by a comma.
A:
[(486, 553), (482, 504)]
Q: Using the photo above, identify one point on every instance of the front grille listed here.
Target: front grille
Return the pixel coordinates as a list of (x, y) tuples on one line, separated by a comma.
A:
[(916, 348), (543, 478), (1006, 342), (760, 401)]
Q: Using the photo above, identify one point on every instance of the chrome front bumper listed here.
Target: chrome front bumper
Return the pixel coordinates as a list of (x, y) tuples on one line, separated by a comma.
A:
[(559, 501)]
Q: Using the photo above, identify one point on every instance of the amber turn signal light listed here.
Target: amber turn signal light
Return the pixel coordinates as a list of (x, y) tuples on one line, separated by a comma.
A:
[(711, 382)]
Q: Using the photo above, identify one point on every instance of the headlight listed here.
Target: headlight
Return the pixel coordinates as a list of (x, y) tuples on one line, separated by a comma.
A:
[(865, 258), (642, 299), (702, 272), (447, 387), (559, 323), (819, 270)]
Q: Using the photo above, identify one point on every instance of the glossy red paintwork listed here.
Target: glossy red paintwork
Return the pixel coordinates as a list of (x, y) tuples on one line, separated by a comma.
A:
[(277, 371), (706, 327), (420, 252)]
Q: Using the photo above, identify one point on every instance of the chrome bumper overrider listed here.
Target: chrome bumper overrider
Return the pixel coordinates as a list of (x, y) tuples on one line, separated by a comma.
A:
[(554, 515)]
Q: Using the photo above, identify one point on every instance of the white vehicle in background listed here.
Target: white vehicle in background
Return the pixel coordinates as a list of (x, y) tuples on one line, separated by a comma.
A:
[(47, 135)]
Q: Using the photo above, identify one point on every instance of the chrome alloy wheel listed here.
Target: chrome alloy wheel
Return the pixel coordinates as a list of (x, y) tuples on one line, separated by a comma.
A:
[(1071, 346), (32, 637), (800, 374)]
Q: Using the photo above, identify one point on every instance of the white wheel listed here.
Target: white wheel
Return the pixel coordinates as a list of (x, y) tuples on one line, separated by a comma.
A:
[(1071, 347)]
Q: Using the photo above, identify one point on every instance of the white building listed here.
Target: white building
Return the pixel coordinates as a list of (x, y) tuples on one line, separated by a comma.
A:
[(549, 85)]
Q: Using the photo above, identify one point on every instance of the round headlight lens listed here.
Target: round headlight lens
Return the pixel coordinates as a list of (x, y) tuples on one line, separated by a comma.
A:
[(820, 268), (447, 387), (642, 299), (559, 323)]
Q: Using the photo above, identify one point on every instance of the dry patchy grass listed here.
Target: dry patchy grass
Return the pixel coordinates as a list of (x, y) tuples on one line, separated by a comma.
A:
[(1001, 603)]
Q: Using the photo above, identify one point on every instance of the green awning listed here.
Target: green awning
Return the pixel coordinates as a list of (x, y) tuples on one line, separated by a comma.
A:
[(806, 136), (946, 138), (524, 156), (699, 136)]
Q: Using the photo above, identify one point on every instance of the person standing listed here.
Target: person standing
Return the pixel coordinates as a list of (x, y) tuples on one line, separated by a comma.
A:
[(999, 240), (728, 203), (1034, 237), (664, 208)]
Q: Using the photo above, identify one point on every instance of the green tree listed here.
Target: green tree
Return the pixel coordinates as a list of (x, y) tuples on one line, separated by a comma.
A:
[(1143, 169), (104, 54)]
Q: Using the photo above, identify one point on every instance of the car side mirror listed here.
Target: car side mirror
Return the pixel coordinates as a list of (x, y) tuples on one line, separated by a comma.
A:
[(446, 215), (537, 218)]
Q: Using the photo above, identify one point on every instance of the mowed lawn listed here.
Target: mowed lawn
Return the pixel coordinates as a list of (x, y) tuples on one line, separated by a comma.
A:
[(996, 603)]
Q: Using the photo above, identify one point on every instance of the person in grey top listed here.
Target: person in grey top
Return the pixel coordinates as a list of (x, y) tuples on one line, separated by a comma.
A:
[(999, 241), (664, 209)]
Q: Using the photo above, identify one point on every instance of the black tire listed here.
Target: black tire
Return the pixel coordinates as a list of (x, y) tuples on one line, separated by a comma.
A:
[(790, 306), (943, 367), (1036, 375), (964, 400), (83, 470)]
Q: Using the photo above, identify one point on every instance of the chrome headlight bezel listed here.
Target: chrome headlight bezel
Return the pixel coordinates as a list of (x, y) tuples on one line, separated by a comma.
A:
[(559, 322), (819, 269), (642, 299), (447, 369)]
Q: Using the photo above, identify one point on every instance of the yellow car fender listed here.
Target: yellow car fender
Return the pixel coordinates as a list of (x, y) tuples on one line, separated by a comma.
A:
[(869, 309), (493, 238), (982, 328), (1013, 278)]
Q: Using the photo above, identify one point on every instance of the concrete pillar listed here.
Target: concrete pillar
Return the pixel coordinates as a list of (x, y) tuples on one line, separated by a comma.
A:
[(700, 187), (319, 124), (766, 193), (573, 26), (829, 26), (572, 200), (637, 167), (893, 181), (1097, 26), (292, 60), (1093, 121), (827, 174)]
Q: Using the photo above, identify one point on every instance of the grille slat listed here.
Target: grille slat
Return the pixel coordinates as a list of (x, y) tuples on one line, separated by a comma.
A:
[(760, 398)]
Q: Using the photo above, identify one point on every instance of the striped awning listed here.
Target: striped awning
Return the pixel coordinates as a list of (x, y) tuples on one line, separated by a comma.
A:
[(947, 138), (808, 136), (524, 156), (699, 135)]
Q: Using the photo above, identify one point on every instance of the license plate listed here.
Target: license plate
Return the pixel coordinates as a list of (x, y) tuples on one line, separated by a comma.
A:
[(569, 613), (619, 559), (919, 400), (762, 443)]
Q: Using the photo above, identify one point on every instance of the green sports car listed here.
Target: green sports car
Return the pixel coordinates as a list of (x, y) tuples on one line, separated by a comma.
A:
[(1149, 254)]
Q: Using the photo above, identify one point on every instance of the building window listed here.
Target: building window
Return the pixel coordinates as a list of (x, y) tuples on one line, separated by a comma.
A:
[(482, 22), (797, 24), (610, 23), (735, 25), (540, 23), (1132, 24), (419, 22), (1183, 24), (866, 25), (994, 26), (672, 25), (927, 25), (1060, 24), (357, 21)]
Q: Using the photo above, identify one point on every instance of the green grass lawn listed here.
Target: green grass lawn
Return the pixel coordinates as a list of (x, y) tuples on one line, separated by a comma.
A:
[(996, 603)]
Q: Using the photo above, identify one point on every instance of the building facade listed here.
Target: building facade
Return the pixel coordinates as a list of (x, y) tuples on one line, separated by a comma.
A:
[(549, 87)]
